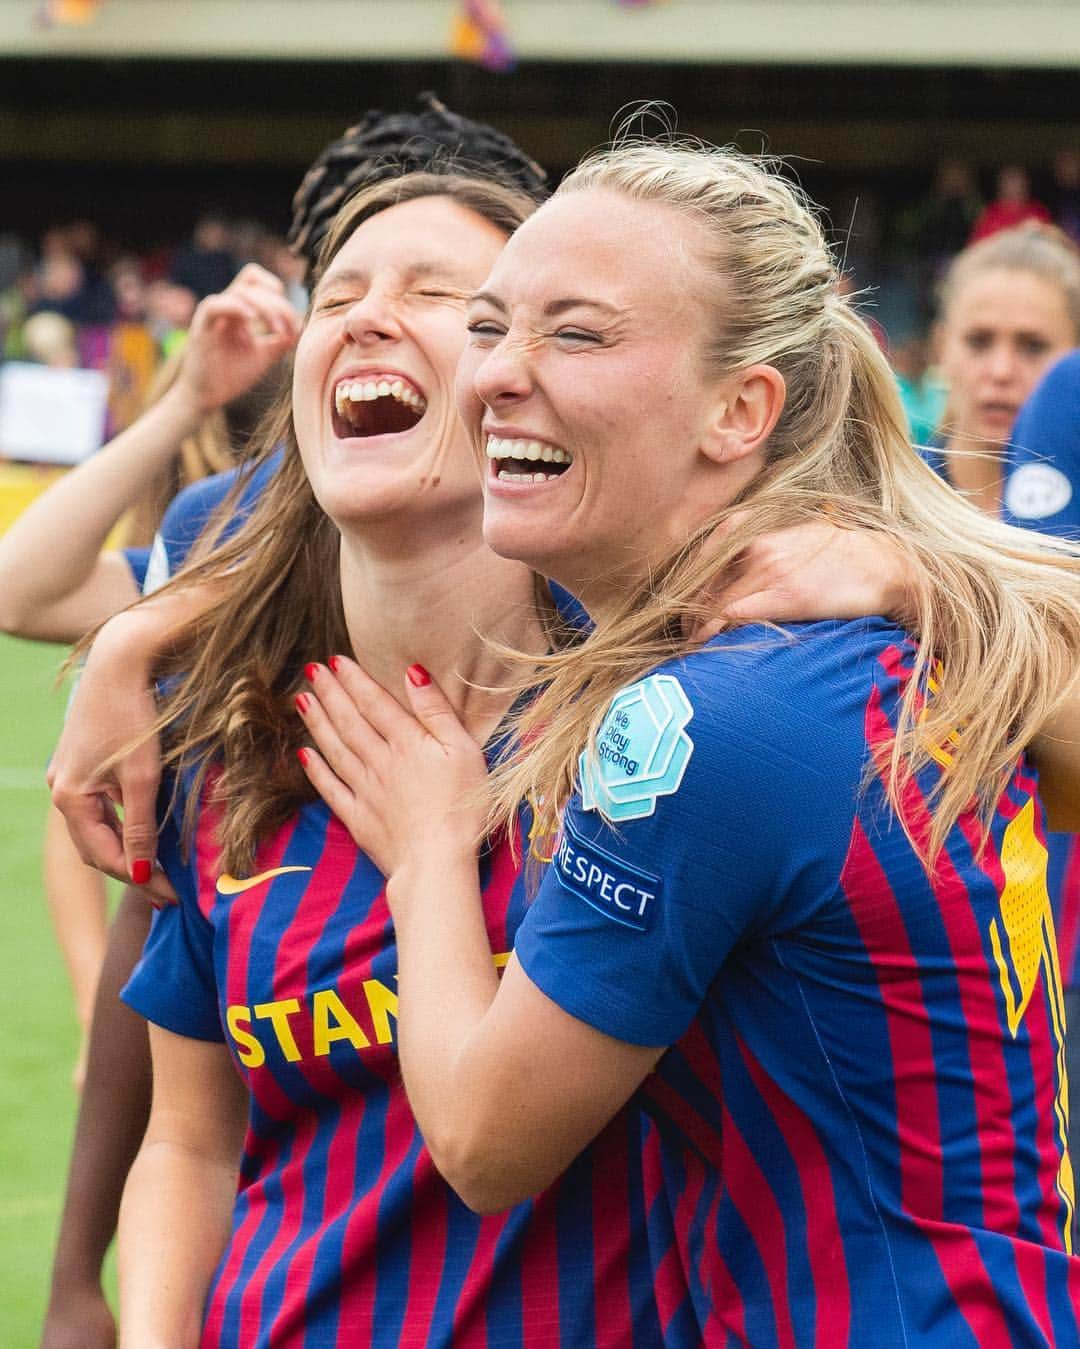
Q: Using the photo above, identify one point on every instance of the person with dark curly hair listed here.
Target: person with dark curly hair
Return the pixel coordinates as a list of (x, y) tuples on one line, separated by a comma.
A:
[(116, 1096)]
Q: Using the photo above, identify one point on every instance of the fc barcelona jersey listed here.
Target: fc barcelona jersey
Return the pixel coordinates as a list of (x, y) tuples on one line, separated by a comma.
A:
[(343, 1233), (858, 1131)]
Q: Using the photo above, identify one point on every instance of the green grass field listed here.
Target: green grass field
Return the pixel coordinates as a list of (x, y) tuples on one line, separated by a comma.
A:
[(40, 1033)]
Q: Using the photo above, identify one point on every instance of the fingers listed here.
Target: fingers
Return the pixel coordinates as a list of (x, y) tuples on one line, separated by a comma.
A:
[(95, 830), (342, 735), (433, 709), (380, 710), (329, 786), (252, 275)]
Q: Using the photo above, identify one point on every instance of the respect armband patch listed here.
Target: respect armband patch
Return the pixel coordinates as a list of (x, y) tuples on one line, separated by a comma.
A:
[(641, 751), (611, 886)]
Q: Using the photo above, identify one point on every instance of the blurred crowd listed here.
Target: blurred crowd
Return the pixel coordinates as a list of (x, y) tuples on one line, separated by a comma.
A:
[(76, 300)]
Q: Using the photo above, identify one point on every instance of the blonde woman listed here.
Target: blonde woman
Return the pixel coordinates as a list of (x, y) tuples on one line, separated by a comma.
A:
[(798, 876), (1010, 308)]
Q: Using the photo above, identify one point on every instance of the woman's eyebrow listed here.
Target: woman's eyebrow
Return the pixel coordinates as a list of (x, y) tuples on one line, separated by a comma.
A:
[(487, 297), (557, 307), (551, 310)]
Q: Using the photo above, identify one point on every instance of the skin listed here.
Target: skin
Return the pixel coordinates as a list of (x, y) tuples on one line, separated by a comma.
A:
[(411, 547), (1002, 332)]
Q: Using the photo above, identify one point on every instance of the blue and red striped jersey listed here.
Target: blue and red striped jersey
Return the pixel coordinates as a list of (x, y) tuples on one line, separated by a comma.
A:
[(343, 1233), (858, 1134)]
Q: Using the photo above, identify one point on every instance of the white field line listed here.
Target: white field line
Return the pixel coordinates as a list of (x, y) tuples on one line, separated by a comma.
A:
[(22, 779), (29, 1206)]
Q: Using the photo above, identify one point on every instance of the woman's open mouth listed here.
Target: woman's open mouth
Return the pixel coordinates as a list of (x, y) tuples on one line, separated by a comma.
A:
[(526, 460), (376, 407)]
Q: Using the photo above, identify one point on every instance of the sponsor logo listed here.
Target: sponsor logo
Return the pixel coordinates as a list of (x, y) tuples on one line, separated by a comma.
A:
[(1035, 491), (641, 751), (230, 885), (611, 886)]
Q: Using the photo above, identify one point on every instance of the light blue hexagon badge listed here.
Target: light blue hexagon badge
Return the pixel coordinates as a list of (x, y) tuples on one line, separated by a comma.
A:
[(641, 751)]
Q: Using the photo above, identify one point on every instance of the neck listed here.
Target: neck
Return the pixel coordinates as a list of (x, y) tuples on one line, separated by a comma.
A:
[(974, 469), (435, 605)]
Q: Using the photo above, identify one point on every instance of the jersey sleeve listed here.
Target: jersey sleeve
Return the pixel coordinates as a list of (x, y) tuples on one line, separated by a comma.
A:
[(173, 985), (715, 808), (138, 559), (1042, 484)]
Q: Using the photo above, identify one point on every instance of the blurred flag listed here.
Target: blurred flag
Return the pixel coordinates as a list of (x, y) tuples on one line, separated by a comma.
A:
[(481, 33), (51, 13)]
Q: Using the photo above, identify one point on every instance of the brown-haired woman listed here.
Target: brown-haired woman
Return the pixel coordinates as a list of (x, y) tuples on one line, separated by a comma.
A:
[(279, 959), (807, 865)]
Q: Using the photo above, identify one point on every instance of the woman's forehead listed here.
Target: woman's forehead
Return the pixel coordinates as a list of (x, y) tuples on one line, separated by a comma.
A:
[(429, 234), (597, 242)]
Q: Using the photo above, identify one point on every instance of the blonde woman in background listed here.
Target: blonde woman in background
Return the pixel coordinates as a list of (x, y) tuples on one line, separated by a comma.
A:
[(1010, 308), (800, 875)]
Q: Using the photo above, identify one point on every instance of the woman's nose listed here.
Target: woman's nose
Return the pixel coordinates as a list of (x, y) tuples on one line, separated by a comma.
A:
[(505, 374), (373, 318)]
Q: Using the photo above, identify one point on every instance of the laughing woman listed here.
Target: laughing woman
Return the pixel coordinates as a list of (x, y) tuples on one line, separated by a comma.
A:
[(271, 986), (800, 874)]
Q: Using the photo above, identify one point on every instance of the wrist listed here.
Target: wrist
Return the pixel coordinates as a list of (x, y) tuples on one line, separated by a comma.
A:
[(445, 865), (185, 406)]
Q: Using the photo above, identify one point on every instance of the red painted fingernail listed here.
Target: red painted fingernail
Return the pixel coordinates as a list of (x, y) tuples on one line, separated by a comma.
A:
[(302, 755), (157, 905), (418, 676), (310, 671), (335, 663), (140, 871), (303, 702)]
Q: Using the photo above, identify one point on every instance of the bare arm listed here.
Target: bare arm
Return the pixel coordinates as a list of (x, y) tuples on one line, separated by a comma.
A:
[(55, 582), (113, 705), (177, 1206), (112, 1119)]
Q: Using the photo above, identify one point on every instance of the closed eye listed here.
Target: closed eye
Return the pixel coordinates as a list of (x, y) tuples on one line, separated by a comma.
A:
[(577, 335), (485, 328)]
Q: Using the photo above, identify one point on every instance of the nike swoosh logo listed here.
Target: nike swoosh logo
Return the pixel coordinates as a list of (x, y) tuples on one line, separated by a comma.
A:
[(229, 885)]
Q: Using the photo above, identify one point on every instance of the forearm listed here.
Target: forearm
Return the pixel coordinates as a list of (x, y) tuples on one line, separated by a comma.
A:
[(446, 983), (113, 1113), (174, 1223), (52, 549)]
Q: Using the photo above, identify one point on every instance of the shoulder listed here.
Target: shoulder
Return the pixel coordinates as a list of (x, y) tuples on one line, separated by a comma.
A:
[(777, 717), (190, 510), (1041, 487)]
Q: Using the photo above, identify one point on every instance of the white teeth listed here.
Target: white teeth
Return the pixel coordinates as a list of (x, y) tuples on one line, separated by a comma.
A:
[(506, 476), (366, 391), (526, 449)]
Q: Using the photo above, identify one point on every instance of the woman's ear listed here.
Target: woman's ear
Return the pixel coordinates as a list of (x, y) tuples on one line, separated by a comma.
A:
[(743, 419)]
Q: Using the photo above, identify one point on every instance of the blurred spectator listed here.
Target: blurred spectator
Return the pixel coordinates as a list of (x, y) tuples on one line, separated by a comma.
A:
[(206, 265), (1012, 206), (278, 257), (1010, 308), (49, 339), (169, 308), (922, 389), (1066, 193), (941, 224)]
